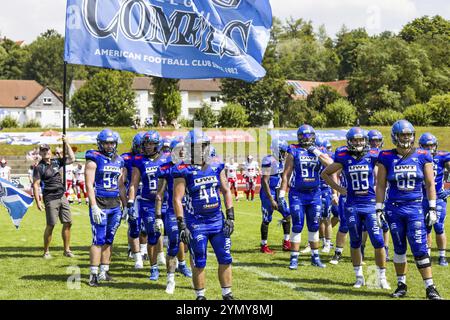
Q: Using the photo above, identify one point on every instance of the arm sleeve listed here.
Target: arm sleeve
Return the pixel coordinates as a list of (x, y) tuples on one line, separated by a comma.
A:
[(36, 173)]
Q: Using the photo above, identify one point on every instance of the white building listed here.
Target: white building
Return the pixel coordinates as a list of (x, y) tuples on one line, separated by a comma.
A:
[(26, 100), (193, 94)]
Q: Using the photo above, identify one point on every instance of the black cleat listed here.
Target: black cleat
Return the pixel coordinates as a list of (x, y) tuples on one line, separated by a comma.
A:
[(432, 293), (401, 290), (201, 298), (336, 258), (93, 280), (228, 296)]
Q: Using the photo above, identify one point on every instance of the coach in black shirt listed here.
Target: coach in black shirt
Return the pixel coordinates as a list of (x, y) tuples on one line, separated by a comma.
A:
[(47, 175)]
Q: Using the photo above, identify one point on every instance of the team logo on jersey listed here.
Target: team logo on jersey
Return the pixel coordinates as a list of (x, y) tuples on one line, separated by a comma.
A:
[(111, 169), (205, 180), (151, 169), (415, 159), (308, 158), (358, 167), (405, 168)]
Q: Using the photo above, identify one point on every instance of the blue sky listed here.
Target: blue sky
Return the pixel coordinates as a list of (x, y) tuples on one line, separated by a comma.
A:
[(26, 19)]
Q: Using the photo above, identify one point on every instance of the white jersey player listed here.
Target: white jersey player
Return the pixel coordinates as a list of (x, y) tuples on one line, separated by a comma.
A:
[(5, 171), (250, 172), (231, 169), (80, 186)]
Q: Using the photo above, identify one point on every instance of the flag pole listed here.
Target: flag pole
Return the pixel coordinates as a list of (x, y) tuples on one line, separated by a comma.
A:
[(64, 122)]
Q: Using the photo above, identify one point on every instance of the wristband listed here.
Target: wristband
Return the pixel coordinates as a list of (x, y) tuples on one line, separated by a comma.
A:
[(379, 206), (230, 213), (282, 193), (432, 203), (317, 152)]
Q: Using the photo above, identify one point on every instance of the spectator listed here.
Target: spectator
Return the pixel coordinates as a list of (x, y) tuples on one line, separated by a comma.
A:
[(5, 171), (56, 204)]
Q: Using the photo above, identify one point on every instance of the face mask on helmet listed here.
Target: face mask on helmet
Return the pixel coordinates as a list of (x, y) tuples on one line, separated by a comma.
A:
[(150, 148), (404, 140), (376, 143), (108, 148), (357, 145), (432, 147), (306, 140)]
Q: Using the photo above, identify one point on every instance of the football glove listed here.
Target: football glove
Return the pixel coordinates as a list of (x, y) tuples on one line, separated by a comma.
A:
[(380, 217), (228, 226), (431, 217), (97, 214), (158, 226), (184, 233)]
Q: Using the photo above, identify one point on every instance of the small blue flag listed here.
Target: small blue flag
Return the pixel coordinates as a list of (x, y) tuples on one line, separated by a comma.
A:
[(15, 201), (184, 39)]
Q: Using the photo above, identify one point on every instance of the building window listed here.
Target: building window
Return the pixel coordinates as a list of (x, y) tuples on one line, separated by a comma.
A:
[(38, 115), (47, 100), (215, 99)]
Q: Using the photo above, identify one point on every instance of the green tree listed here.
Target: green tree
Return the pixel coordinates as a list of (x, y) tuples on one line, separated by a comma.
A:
[(385, 117), (440, 109), (426, 26), (166, 99), (322, 96), (347, 45), (12, 60), (340, 113), (233, 116), (45, 63), (296, 114), (419, 115), (389, 74), (263, 100), (206, 116), (105, 100)]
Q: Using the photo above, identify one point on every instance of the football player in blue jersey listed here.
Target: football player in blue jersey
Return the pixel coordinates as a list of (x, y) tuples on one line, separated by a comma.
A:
[(105, 183), (137, 248), (272, 168), (303, 163), (202, 219), (376, 143), (358, 165), (407, 170), (325, 228), (175, 248), (338, 211), (145, 167), (441, 161)]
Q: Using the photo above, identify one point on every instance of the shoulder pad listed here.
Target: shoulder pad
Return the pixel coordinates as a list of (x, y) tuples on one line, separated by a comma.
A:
[(442, 153), (92, 155), (138, 157), (421, 151), (166, 166), (126, 156), (386, 152), (373, 151), (182, 166)]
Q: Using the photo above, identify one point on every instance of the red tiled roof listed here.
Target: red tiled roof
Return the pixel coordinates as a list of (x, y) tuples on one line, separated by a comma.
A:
[(304, 88), (18, 93)]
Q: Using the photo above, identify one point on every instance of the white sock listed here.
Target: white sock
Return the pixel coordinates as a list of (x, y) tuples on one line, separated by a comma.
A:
[(358, 271), (104, 268), (155, 266), (314, 252), (182, 263), (137, 257), (442, 253), (170, 277), (263, 242), (294, 253), (401, 279), (226, 291), (94, 270), (328, 242), (339, 250), (200, 292), (428, 282), (286, 237), (143, 248), (381, 273), (429, 251)]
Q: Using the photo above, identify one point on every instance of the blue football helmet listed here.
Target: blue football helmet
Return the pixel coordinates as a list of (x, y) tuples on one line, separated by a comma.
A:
[(428, 141), (375, 139), (137, 143), (197, 145), (279, 149), (151, 137), (357, 140), (164, 145), (306, 136), (212, 152), (327, 145), (107, 135), (319, 142), (406, 129)]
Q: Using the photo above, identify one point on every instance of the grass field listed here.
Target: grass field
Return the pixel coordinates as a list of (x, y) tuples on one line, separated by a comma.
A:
[(26, 275)]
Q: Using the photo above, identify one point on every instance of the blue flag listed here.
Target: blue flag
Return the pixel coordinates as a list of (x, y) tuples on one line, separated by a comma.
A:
[(15, 201), (185, 39)]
